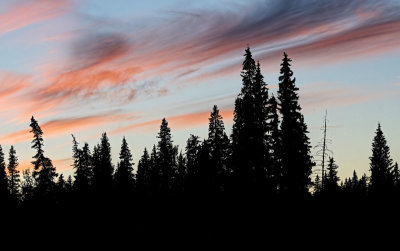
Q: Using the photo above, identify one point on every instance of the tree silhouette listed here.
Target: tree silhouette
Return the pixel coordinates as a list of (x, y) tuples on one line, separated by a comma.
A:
[(219, 150), (103, 168), (193, 149), (296, 159), (250, 129), (331, 186), (382, 179), (4, 194), (166, 156), (44, 172), (13, 175), (143, 173), (124, 177), (83, 167)]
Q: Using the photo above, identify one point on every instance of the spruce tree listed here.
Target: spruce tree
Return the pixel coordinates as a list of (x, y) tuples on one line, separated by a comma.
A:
[(381, 165), (43, 170), (250, 155), (4, 192), (13, 174), (193, 149), (143, 173), (124, 177), (331, 186), (166, 156), (219, 149), (295, 149), (103, 168), (83, 167)]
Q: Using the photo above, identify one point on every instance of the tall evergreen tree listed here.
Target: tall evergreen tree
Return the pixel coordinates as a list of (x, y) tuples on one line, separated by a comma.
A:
[(331, 186), (219, 149), (381, 165), (166, 156), (103, 168), (250, 129), (143, 173), (13, 174), (83, 167), (295, 152), (124, 177), (193, 149), (44, 172), (3, 179)]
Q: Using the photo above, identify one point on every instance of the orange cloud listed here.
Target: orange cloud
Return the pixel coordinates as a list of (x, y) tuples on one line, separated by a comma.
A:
[(183, 121), (60, 164), (63, 126), (29, 12)]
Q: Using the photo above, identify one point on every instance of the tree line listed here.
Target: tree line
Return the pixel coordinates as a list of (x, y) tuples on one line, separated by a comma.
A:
[(267, 156)]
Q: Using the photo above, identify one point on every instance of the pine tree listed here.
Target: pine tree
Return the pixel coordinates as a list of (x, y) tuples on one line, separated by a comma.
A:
[(3, 179), (331, 186), (124, 177), (44, 172), (250, 129), (103, 168), (13, 174), (143, 173), (382, 179), (166, 156), (193, 149), (219, 149), (83, 167), (295, 152)]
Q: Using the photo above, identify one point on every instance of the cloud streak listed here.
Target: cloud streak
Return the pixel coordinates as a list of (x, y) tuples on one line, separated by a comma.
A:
[(64, 126), (27, 12)]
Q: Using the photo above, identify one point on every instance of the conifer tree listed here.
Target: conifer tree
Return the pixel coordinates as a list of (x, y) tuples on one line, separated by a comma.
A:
[(83, 167), (143, 173), (382, 179), (295, 152), (4, 192), (250, 129), (331, 186), (219, 148), (193, 149), (13, 174), (166, 156), (124, 177), (44, 172), (103, 169)]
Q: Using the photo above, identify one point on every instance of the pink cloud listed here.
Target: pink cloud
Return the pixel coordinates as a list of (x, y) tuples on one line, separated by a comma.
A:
[(27, 12)]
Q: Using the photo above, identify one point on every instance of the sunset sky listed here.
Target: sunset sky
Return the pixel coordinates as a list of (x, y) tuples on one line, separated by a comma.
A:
[(89, 66)]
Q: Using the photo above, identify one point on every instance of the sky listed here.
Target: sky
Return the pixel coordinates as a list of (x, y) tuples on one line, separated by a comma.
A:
[(91, 66)]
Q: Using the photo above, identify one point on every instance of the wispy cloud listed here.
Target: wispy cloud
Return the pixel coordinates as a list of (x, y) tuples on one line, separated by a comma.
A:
[(23, 13), (64, 126), (176, 122)]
